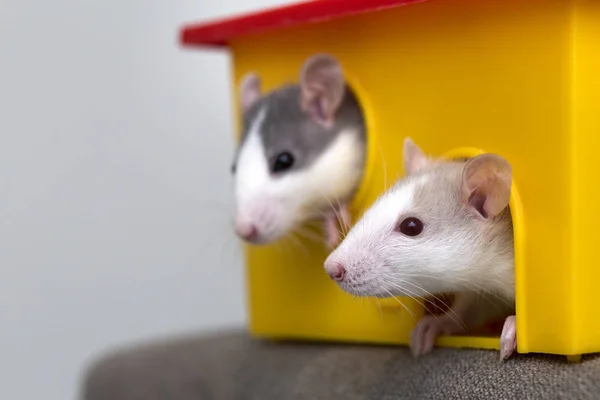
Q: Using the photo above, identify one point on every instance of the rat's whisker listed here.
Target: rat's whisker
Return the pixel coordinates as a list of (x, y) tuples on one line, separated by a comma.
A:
[(408, 310), (412, 296), (466, 284), (344, 217), (454, 317), (308, 235), (293, 236), (379, 306)]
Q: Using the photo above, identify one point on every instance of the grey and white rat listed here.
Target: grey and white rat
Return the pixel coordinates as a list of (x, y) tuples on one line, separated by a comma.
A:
[(444, 228), (301, 153)]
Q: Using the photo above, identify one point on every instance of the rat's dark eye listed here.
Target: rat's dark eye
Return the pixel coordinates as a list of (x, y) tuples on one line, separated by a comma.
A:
[(411, 226), (233, 168), (283, 161)]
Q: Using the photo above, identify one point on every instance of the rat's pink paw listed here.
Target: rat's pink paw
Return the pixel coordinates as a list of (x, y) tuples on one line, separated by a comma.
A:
[(345, 217), (508, 338), (333, 220), (424, 335), (332, 234)]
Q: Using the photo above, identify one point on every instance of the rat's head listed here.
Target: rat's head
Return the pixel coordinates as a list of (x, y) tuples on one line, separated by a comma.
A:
[(302, 149), (444, 227)]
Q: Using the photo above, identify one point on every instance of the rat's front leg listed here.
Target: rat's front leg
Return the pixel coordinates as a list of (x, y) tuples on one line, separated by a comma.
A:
[(430, 327)]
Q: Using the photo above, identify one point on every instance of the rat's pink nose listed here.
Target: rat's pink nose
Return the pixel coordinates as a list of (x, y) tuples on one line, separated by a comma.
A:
[(337, 272), (247, 232)]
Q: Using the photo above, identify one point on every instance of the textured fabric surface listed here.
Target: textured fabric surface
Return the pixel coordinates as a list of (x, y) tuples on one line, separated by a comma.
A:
[(233, 366)]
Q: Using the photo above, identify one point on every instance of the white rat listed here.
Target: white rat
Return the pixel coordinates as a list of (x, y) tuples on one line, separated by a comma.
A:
[(301, 153), (444, 228)]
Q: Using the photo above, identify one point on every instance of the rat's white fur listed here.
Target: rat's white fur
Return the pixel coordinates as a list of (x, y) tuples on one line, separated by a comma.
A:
[(457, 251), (460, 250), (278, 204)]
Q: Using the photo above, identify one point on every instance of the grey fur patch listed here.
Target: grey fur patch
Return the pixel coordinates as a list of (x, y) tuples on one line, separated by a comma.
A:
[(286, 127)]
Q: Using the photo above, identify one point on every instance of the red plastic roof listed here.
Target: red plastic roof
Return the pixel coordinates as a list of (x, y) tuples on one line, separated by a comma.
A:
[(220, 32)]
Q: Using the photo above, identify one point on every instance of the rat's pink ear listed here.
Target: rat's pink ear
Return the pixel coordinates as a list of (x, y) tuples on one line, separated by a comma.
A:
[(414, 158), (486, 184), (323, 88), (250, 90)]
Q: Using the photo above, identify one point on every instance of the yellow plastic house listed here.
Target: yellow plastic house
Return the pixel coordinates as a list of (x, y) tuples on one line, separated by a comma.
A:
[(520, 78)]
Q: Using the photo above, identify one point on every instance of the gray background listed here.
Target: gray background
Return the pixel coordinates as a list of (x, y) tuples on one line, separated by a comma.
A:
[(115, 147)]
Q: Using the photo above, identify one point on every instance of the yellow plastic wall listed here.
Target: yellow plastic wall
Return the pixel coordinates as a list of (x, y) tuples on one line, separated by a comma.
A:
[(585, 188), (518, 78)]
